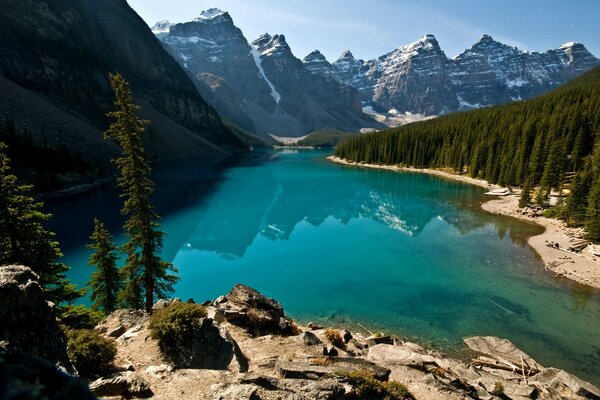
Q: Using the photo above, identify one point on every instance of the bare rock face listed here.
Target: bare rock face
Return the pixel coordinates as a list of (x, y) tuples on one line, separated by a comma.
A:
[(27, 377), (27, 321), (260, 86), (419, 78), (259, 315)]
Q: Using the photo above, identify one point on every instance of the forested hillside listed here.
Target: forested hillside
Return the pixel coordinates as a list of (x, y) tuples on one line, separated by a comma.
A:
[(547, 141)]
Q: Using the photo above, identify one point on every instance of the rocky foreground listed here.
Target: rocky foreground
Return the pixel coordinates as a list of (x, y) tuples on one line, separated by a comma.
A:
[(246, 348)]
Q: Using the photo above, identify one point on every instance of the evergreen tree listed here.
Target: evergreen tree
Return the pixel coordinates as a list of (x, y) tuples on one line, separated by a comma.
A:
[(592, 225), (145, 274), (105, 280), (23, 239), (525, 198)]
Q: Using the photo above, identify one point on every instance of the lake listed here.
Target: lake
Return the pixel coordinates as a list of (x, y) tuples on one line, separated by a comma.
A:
[(402, 253)]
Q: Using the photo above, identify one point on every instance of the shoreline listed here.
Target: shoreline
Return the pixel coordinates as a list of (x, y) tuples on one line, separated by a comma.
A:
[(582, 267)]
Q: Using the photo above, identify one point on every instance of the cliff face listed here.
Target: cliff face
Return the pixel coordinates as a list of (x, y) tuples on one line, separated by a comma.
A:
[(260, 86), (58, 54)]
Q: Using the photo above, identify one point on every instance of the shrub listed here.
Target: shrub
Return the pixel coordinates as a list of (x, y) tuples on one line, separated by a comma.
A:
[(79, 317), (334, 337), (92, 354), (498, 389), (173, 326), (366, 387)]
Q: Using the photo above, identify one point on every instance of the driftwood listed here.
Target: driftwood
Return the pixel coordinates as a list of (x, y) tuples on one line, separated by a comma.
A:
[(524, 369)]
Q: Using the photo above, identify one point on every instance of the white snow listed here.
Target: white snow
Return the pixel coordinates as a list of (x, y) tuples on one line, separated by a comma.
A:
[(258, 61), (566, 45), (516, 82), (209, 14), (161, 27), (463, 105)]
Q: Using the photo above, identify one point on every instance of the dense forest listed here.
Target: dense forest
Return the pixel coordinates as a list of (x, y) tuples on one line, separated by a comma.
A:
[(550, 142)]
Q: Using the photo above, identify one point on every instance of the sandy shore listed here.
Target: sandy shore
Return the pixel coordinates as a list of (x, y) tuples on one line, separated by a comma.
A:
[(580, 267)]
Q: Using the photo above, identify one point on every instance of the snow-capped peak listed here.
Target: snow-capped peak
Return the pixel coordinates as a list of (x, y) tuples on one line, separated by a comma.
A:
[(314, 56), (346, 54), (209, 14), (567, 45), (161, 27)]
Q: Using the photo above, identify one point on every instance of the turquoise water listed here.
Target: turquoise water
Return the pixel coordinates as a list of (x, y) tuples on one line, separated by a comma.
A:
[(402, 253)]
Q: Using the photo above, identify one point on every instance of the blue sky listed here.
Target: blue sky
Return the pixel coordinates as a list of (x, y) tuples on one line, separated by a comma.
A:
[(372, 28)]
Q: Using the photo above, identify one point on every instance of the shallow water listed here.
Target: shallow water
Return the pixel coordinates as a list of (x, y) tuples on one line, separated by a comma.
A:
[(403, 253)]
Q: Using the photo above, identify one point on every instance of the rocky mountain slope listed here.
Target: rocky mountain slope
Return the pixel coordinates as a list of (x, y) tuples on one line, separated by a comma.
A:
[(54, 60), (418, 78), (260, 86)]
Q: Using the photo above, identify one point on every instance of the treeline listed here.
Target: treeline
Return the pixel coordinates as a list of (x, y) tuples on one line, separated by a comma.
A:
[(43, 164), (546, 142)]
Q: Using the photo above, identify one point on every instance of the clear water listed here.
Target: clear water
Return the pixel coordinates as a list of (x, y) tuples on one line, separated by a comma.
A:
[(401, 253)]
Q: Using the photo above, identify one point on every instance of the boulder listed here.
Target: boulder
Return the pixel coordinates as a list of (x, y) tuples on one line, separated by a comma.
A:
[(346, 336), (259, 315), (211, 347), (122, 321), (501, 350), (126, 384), (310, 339), (375, 340), (330, 350), (558, 379), (26, 377), (398, 355), (334, 365), (255, 387), (28, 322)]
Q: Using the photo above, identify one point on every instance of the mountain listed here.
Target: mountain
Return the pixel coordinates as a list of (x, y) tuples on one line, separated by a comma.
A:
[(55, 56), (551, 141), (418, 78), (260, 86)]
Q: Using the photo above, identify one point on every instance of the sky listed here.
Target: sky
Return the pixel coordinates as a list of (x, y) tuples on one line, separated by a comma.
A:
[(371, 28)]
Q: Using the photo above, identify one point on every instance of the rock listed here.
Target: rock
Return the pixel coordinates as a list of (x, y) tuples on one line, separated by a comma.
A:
[(220, 300), (375, 340), (255, 387), (160, 304), (27, 377), (330, 350), (128, 367), (501, 349), (116, 332), (126, 384), (310, 339), (211, 347), (346, 336), (306, 370), (557, 379), (313, 326), (160, 371), (259, 315), (28, 321), (400, 355), (124, 319)]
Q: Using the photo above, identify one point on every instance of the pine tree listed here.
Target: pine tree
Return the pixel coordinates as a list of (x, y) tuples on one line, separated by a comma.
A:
[(23, 239), (106, 279), (144, 272), (592, 225), (525, 198)]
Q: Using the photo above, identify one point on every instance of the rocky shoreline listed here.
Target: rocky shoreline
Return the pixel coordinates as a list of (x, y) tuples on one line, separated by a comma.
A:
[(245, 347), (551, 246)]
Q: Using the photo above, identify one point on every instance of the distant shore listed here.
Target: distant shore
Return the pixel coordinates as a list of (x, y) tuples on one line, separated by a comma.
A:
[(581, 267)]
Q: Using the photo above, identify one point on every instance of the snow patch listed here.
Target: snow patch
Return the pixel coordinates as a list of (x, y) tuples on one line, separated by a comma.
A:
[(566, 45), (258, 62), (463, 105), (209, 14)]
